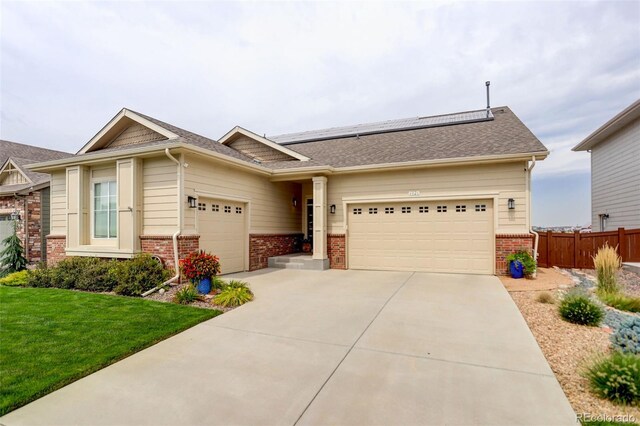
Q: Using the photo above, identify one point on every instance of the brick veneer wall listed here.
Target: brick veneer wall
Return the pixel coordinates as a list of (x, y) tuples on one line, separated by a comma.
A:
[(162, 246), (29, 221), (336, 251), (507, 244), (264, 246), (56, 245)]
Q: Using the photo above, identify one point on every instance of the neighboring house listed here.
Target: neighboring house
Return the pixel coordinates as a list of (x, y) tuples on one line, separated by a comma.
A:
[(24, 195), (447, 193), (615, 171)]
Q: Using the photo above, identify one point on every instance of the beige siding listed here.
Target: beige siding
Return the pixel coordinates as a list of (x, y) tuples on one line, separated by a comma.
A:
[(257, 150), (159, 196), (271, 209), (12, 177), (507, 179), (58, 203), (615, 179), (135, 134)]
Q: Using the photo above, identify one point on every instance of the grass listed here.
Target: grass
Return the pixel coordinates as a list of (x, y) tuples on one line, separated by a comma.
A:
[(52, 337), (620, 301)]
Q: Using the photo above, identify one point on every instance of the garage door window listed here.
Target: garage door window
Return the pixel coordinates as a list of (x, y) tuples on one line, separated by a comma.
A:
[(423, 209), (238, 210), (202, 206), (227, 209), (215, 207), (373, 210), (461, 209), (406, 210), (442, 209), (388, 210), (357, 211), (481, 207)]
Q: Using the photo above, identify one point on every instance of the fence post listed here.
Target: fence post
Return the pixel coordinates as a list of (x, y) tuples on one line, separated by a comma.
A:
[(576, 250), (549, 263), (622, 246)]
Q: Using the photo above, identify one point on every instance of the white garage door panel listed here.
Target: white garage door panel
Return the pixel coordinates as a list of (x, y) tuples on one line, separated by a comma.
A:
[(221, 225), (416, 236)]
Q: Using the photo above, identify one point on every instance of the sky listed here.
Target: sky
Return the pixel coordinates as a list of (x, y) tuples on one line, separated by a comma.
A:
[(565, 68)]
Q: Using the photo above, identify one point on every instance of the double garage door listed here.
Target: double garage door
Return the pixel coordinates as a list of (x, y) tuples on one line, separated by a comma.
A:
[(435, 236), (221, 225)]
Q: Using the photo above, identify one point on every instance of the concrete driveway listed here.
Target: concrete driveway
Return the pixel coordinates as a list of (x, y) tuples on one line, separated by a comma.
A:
[(332, 347)]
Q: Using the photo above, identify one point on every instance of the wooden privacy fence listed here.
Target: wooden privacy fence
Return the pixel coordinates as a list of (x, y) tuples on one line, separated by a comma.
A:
[(575, 250)]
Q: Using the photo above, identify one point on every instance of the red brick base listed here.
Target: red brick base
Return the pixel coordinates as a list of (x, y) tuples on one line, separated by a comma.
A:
[(162, 246), (264, 246), (56, 245), (507, 244), (336, 251)]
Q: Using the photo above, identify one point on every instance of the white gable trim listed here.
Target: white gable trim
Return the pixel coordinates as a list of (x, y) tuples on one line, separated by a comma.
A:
[(18, 168), (133, 116), (226, 139)]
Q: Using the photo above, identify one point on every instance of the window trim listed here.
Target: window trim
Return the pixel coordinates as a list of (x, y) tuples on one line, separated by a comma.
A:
[(92, 209)]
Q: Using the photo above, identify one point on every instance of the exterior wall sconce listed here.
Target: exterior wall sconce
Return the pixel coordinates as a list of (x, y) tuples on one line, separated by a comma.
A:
[(511, 204), (332, 209), (294, 202), (15, 216), (191, 201)]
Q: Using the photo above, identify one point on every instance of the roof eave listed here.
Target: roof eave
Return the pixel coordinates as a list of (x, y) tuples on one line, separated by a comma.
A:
[(626, 116)]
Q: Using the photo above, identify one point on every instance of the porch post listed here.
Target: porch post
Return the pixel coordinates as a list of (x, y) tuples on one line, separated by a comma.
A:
[(319, 217)]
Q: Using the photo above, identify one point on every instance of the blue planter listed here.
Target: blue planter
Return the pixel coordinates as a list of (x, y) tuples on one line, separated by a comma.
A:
[(516, 268), (204, 286)]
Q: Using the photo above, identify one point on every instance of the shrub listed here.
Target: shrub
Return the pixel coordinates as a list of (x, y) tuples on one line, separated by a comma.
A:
[(217, 283), (186, 295), (40, 277), (580, 309), (620, 301), (15, 279), (627, 337), (607, 263), (100, 275), (526, 259), (235, 294), (69, 271), (616, 377), (12, 257), (546, 297), (137, 275)]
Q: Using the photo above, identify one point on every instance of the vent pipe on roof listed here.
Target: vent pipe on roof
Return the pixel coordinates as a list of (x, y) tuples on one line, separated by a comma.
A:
[(487, 83)]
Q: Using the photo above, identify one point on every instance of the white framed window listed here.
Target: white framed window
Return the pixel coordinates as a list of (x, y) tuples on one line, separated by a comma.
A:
[(105, 211)]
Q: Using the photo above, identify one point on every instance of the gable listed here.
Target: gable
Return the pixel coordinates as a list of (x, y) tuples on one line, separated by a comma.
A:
[(259, 151), (133, 135), (12, 175)]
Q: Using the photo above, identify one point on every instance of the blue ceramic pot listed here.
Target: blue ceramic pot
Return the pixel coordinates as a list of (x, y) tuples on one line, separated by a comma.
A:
[(516, 268), (204, 286)]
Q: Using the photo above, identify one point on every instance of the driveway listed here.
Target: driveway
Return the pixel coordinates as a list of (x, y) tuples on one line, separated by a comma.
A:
[(332, 347)]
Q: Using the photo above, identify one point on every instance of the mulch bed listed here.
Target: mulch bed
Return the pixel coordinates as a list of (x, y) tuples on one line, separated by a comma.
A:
[(206, 303), (569, 348)]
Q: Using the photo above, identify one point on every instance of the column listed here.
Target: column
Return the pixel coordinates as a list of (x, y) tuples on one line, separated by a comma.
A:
[(319, 217)]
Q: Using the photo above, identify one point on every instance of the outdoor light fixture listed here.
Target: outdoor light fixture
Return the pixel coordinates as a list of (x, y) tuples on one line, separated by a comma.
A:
[(294, 202), (511, 204), (192, 201), (15, 215), (332, 209)]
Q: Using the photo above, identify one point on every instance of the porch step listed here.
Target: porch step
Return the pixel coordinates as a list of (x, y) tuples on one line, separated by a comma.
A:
[(632, 266), (298, 261)]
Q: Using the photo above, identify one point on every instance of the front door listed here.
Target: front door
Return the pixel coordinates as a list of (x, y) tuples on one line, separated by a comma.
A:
[(310, 219)]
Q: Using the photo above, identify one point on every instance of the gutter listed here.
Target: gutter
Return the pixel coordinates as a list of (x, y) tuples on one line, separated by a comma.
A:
[(175, 234), (535, 244)]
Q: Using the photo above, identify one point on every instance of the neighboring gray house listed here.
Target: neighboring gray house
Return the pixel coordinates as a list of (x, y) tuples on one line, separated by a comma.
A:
[(615, 171)]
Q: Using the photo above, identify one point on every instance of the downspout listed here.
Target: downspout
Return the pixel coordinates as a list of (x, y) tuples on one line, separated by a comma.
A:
[(175, 234), (535, 244)]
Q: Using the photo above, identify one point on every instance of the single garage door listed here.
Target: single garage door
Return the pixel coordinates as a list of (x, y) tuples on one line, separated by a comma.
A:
[(441, 236), (221, 225)]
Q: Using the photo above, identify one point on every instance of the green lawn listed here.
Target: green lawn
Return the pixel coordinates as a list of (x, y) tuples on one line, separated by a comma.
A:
[(51, 337)]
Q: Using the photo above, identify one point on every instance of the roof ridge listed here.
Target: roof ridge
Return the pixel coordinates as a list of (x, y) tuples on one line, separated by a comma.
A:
[(170, 127)]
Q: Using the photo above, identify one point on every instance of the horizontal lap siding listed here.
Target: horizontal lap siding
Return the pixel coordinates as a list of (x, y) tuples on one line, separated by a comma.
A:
[(271, 202), (508, 179), (615, 179), (159, 197), (58, 203)]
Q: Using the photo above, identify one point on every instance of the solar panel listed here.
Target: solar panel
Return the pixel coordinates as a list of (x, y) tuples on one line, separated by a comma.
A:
[(385, 126)]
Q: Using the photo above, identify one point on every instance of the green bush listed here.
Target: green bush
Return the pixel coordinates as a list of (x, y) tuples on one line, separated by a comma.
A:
[(139, 274), (186, 295), (40, 277), (15, 279), (12, 256), (526, 259), (217, 283), (620, 301), (580, 309), (616, 377), (235, 293)]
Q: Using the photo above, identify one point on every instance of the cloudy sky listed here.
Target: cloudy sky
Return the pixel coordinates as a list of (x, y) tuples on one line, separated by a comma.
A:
[(564, 68)]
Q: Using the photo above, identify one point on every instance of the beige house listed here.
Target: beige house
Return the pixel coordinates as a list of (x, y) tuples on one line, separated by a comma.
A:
[(447, 193), (615, 173)]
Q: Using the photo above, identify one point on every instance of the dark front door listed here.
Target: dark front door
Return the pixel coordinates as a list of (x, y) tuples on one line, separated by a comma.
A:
[(310, 219)]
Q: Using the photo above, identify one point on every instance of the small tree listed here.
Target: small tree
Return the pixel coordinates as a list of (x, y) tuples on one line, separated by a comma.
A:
[(12, 257)]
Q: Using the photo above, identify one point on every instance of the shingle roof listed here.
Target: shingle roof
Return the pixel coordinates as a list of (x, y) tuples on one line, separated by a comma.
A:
[(505, 134), (21, 155)]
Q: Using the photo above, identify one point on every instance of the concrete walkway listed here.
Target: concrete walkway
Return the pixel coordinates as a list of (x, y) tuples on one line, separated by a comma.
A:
[(332, 347)]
